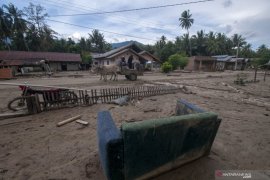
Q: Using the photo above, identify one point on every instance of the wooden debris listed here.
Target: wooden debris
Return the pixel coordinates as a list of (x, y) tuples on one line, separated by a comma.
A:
[(13, 115), (82, 122), (68, 120)]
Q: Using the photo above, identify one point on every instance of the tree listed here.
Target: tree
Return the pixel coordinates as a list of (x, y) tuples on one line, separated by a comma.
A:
[(18, 26), (200, 43), (264, 54), (40, 36), (5, 29), (247, 52), (97, 41), (238, 41), (186, 22), (86, 57)]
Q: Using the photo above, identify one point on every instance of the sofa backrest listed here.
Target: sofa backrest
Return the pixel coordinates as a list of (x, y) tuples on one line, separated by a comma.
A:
[(158, 145), (183, 107)]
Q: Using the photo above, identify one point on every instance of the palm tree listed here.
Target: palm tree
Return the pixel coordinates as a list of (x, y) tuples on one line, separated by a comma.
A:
[(163, 41), (185, 43), (18, 27), (185, 22), (200, 42), (238, 41)]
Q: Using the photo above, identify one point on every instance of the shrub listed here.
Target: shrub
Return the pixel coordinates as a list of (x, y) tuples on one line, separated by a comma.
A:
[(178, 60), (166, 67)]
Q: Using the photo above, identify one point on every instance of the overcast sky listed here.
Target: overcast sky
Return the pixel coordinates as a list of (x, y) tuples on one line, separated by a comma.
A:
[(247, 17)]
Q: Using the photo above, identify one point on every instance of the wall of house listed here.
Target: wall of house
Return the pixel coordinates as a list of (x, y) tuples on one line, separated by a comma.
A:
[(55, 66), (206, 66), (117, 59), (220, 66), (194, 65), (72, 66)]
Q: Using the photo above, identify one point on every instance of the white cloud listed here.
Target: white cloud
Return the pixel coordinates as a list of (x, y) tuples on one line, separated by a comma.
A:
[(247, 17)]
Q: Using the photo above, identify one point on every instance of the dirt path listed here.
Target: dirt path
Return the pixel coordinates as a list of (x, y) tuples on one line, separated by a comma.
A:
[(32, 147)]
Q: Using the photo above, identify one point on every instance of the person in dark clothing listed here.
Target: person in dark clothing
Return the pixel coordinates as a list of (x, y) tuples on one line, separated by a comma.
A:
[(123, 62), (130, 59)]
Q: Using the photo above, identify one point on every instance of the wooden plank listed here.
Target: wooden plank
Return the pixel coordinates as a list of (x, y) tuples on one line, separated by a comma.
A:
[(106, 95), (53, 99), (44, 100), (83, 97), (38, 103), (82, 122), (92, 97), (68, 120), (96, 96)]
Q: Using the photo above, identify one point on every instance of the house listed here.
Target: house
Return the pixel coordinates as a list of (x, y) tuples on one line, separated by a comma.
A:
[(152, 61), (131, 53), (29, 61), (226, 62), (201, 63)]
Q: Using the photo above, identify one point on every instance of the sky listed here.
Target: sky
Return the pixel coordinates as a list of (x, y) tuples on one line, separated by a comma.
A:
[(249, 18)]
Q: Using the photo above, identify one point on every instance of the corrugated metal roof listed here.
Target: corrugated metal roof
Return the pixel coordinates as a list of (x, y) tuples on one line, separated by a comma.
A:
[(49, 56), (223, 58)]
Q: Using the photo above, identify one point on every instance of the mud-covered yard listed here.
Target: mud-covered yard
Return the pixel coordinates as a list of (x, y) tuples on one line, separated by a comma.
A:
[(33, 147)]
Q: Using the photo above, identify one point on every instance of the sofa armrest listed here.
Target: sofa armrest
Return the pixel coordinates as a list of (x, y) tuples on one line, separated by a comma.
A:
[(110, 144)]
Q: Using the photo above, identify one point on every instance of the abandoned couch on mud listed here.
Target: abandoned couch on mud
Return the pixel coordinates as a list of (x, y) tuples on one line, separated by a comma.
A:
[(144, 149)]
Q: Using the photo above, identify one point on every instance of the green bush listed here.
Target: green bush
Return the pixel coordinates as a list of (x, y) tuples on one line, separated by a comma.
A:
[(86, 58), (178, 60), (166, 67)]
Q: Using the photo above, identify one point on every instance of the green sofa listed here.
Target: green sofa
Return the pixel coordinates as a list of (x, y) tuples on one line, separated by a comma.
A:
[(144, 149)]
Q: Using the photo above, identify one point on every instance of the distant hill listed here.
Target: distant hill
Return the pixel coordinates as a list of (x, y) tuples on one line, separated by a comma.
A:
[(120, 44)]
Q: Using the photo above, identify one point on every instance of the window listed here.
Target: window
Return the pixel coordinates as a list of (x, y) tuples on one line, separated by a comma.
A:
[(108, 62)]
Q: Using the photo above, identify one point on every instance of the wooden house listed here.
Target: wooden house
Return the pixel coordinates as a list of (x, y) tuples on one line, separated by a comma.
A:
[(152, 61), (29, 61), (226, 62)]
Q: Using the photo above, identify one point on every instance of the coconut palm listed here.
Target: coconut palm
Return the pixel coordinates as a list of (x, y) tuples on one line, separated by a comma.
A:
[(200, 41), (18, 26), (186, 22), (238, 41), (5, 27)]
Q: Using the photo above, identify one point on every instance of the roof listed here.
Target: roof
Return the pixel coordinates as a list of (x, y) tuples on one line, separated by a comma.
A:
[(223, 58), (133, 46), (124, 50), (236, 59), (203, 58), (34, 56), (154, 57)]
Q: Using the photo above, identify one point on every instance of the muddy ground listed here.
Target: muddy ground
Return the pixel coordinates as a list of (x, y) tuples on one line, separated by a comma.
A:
[(32, 147)]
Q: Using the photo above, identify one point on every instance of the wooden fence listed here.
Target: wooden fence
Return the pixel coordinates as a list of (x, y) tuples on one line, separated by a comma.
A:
[(68, 98)]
